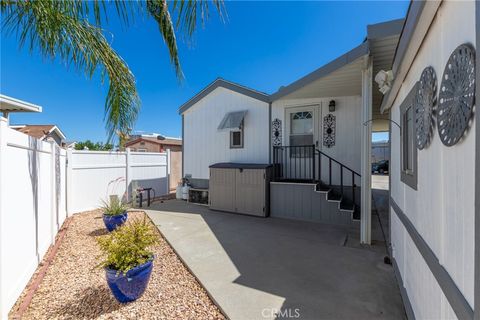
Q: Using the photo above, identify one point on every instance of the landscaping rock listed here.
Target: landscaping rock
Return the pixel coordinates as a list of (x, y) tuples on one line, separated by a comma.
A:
[(73, 288)]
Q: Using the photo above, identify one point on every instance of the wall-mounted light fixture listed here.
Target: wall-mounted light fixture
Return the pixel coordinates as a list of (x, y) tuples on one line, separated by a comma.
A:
[(331, 106)]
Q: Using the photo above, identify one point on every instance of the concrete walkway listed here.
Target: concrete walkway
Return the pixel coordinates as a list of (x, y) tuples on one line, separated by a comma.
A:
[(257, 268)]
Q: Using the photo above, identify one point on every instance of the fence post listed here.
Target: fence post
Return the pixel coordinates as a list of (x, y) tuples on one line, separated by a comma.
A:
[(3, 146), (128, 173), (168, 170), (53, 194), (69, 191)]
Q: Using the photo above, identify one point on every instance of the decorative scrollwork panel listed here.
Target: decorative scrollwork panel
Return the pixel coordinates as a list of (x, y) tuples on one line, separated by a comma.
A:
[(329, 130), (277, 132)]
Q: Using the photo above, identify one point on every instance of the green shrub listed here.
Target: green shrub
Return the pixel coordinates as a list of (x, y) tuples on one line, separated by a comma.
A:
[(114, 207), (127, 246)]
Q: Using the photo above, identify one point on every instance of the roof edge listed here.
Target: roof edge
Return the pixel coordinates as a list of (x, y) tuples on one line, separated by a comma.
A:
[(385, 29), (219, 82), (326, 69), (27, 106), (55, 128), (416, 11), (129, 143)]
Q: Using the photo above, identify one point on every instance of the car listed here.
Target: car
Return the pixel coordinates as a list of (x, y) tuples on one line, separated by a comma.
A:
[(380, 167)]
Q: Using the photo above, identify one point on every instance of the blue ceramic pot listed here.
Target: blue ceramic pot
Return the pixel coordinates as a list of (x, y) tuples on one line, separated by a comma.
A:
[(112, 222), (131, 286)]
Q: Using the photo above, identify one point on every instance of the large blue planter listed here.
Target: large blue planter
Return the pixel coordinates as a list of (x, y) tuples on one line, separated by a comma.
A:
[(131, 286), (112, 222)]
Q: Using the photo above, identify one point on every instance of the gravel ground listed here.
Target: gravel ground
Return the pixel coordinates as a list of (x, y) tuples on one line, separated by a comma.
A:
[(73, 288)]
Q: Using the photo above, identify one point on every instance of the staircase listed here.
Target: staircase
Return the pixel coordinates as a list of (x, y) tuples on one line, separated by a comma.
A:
[(306, 164), (344, 204)]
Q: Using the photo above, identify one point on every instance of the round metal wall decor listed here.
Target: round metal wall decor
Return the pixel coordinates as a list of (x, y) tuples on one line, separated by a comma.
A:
[(277, 132), (457, 94), (426, 100)]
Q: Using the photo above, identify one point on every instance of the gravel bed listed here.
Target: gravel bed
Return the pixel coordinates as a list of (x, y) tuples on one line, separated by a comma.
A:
[(73, 288)]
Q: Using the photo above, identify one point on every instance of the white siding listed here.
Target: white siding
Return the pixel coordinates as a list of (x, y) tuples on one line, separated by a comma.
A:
[(205, 145), (348, 126), (442, 209)]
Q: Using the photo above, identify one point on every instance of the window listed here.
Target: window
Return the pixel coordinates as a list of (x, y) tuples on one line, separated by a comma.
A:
[(142, 150), (408, 146), (301, 133), (236, 139)]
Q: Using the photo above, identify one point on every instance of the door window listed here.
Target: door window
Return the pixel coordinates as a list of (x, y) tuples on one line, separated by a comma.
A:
[(301, 132)]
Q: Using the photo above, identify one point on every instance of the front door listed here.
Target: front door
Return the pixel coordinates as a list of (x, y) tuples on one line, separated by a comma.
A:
[(301, 134)]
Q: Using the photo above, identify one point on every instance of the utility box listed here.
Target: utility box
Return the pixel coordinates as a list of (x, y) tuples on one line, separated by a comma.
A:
[(241, 188)]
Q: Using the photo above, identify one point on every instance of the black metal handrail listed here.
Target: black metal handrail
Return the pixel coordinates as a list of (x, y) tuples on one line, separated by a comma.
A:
[(326, 155), (298, 163), (342, 167), (294, 163)]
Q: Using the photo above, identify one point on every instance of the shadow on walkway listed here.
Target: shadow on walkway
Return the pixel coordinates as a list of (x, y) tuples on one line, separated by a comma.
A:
[(257, 268)]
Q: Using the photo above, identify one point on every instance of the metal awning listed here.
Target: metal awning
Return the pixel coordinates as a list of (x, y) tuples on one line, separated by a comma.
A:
[(232, 120)]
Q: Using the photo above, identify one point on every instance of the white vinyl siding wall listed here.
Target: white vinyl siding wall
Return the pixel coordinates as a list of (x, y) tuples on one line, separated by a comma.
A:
[(205, 145), (442, 208), (348, 125)]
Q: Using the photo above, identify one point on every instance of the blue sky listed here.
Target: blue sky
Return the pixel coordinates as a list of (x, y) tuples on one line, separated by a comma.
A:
[(263, 45)]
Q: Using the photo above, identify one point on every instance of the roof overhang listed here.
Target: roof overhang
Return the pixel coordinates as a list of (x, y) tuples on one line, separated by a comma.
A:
[(383, 39), (341, 76), (9, 104), (227, 85), (338, 71), (419, 18)]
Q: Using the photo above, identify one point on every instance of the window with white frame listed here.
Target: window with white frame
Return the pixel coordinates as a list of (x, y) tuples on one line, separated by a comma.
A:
[(407, 141), (142, 150), (236, 138)]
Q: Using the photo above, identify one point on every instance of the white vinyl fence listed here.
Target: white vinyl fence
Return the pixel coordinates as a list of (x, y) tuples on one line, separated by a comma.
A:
[(95, 175), (41, 184)]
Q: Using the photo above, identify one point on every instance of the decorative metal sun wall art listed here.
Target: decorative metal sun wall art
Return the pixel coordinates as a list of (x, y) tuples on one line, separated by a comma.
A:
[(329, 130), (277, 132), (426, 100), (457, 94)]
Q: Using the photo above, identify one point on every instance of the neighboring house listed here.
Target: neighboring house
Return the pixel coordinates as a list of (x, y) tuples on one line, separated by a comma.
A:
[(316, 132), (380, 151), (69, 145), (435, 160), (147, 144), (9, 105), (159, 143), (45, 132)]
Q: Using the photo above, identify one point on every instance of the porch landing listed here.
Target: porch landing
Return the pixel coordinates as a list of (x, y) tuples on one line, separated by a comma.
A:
[(253, 267)]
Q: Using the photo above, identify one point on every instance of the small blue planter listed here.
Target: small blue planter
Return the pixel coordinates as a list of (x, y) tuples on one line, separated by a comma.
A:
[(131, 286), (112, 222)]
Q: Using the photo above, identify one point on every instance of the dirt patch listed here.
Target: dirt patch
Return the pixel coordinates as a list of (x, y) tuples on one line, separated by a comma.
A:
[(73, 288)]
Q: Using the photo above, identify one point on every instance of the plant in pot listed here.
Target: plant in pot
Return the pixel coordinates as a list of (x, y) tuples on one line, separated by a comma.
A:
[(127, 259), (114, 213)]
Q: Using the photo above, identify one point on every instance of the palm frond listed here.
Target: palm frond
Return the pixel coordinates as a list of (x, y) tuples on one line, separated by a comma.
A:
[(186, 13), (158, 9), (50, 28), (70, 30)]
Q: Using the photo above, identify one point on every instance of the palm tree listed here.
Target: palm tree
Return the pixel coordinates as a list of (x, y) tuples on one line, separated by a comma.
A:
[(71, 30)]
